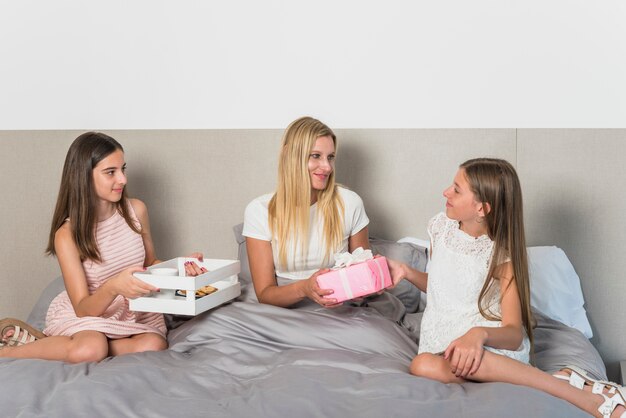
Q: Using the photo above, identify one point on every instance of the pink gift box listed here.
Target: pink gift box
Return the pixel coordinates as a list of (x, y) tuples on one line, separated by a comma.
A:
[(357, 280)]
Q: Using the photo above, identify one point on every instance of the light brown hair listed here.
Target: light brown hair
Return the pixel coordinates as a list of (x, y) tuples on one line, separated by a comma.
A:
[(495, 181), (77, 200)]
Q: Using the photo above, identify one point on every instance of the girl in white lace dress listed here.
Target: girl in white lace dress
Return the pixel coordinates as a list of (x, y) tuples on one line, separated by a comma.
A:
[(477, 322)]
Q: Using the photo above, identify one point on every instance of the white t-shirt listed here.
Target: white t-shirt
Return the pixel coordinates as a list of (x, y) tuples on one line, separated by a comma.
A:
[(299, 266)]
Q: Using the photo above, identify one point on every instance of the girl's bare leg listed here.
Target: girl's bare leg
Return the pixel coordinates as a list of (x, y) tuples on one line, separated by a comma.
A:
[(80, 347), (137, 344), (498, 368)]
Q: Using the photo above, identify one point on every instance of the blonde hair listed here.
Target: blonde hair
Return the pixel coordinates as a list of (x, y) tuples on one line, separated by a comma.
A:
[(495, 182), (289, 208)]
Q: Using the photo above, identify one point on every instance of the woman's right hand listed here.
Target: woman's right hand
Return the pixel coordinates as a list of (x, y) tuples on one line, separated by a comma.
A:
[(127, 285), (312, 290)]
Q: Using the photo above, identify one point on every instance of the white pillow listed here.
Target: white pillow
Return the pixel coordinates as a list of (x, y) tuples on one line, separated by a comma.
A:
[(417, 241), (555, 288)]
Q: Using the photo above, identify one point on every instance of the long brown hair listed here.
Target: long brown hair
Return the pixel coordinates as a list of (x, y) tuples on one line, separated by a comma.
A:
[(289, 208), (77, 198), (495, 182)]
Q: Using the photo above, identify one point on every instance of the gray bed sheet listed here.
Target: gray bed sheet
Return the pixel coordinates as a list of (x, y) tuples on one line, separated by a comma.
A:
[(249, 359)]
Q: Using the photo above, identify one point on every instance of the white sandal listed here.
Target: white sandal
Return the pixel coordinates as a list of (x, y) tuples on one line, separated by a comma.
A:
[(579, 377), (609, 405)]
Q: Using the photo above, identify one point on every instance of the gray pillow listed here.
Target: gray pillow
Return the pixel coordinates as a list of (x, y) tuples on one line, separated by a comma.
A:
[(410, 254), (242, 255), (37, 317), (558, 345), (245, 277)]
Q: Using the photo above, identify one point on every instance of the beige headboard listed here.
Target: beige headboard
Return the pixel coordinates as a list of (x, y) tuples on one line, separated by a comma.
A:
[(196, 184)]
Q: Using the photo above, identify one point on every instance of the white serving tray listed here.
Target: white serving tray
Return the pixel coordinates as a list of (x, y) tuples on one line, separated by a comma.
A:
[(221, 274)]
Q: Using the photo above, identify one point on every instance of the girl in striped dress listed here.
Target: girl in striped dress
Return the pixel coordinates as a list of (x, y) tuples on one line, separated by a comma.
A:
[(100, 238)]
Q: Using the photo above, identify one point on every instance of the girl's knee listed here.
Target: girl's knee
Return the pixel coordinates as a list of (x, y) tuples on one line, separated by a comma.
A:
[(150, 342), (431, 366), (422, 365), (91, 351)]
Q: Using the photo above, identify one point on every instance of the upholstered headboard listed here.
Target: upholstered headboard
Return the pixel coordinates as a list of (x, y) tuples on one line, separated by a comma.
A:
[(196, 184)]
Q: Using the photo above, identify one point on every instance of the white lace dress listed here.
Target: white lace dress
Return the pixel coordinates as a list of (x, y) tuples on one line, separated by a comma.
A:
[(457, 271)]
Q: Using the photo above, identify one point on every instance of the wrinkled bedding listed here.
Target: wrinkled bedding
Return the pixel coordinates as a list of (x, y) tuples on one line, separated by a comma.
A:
[(249, 359)]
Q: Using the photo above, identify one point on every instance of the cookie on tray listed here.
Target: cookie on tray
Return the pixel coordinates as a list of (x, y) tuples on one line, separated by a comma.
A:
[(203, 291)]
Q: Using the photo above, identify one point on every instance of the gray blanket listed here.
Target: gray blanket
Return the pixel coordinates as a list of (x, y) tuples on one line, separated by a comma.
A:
[(249, 359)]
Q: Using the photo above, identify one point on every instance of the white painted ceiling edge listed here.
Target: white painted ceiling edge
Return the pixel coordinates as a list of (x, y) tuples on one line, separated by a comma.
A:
[(155, 64)]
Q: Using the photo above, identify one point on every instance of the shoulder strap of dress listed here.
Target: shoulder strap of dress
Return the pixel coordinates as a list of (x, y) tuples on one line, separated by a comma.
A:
[(131, 209), (133, 215)]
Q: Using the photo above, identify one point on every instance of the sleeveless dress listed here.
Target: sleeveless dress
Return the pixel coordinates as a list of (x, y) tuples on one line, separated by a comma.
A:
[(457, 272), (120, 247)]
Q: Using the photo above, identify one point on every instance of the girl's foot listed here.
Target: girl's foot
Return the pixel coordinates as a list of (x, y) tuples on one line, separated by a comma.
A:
[(609, 396), (14, 332), (610, 405)]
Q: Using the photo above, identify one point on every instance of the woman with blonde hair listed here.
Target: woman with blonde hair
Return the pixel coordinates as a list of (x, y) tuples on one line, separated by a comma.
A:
[(293, 233)]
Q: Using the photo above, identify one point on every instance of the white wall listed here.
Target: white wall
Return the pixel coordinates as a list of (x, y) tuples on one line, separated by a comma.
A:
[(155, 64)]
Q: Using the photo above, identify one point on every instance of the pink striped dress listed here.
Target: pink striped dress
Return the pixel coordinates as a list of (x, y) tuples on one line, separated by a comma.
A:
[(120, 247)]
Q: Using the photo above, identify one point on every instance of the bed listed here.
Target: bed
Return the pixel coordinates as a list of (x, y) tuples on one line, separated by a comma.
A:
[(250, 359)]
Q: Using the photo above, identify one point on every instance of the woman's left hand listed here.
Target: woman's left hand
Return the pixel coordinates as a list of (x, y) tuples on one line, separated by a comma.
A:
[(191, 268), (311, 290), (466, 352)]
